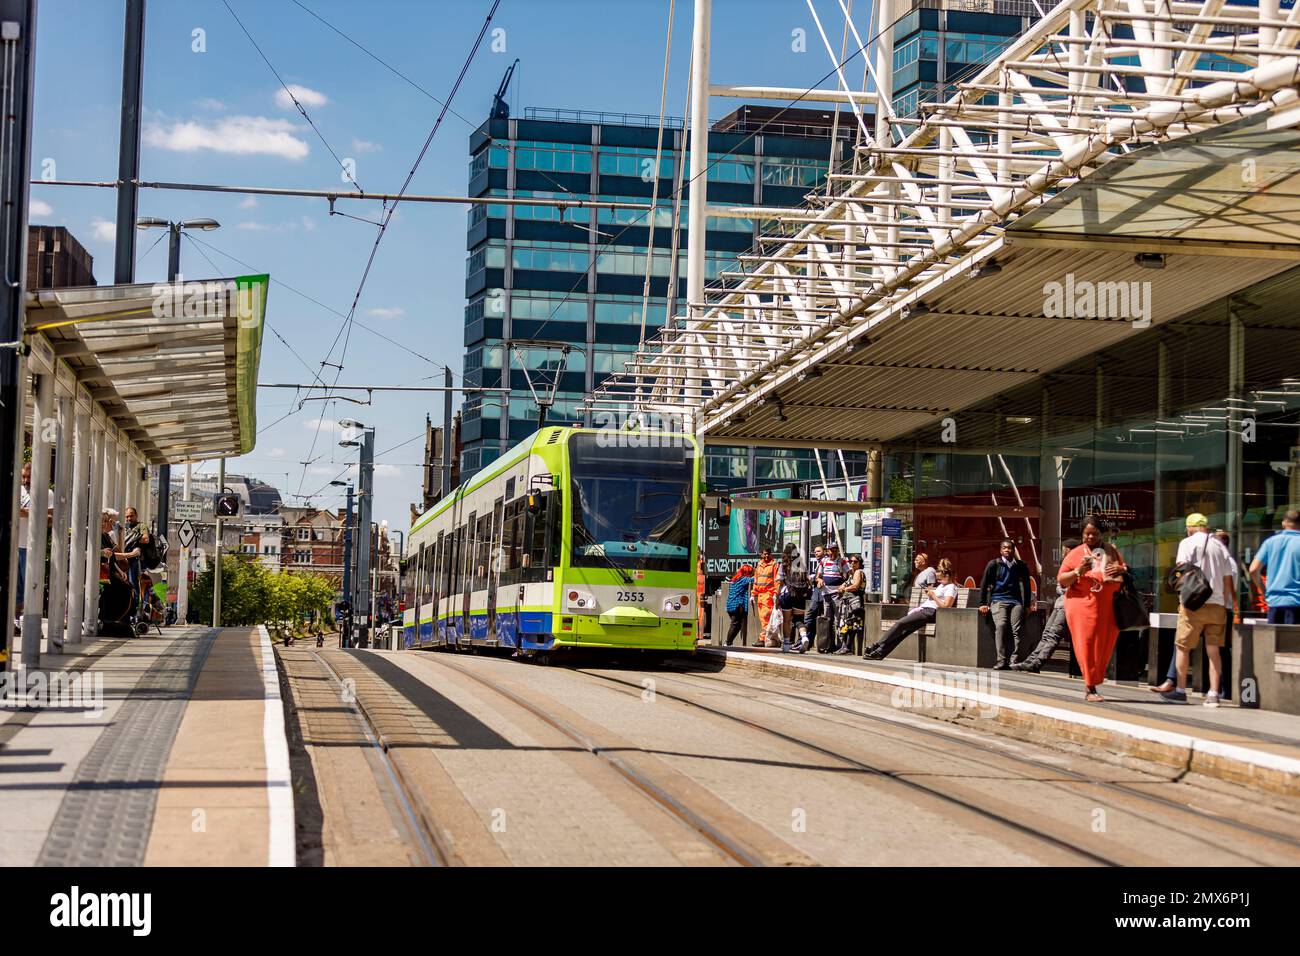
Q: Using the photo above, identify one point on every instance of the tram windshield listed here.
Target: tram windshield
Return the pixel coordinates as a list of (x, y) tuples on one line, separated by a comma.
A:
[(631, 505)]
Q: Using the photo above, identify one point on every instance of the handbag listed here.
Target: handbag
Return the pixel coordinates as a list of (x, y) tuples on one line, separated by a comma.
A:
[(1189, 582), (1131, 608)]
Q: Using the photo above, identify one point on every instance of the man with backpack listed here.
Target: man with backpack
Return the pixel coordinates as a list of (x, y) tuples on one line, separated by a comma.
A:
[(1203, 578)]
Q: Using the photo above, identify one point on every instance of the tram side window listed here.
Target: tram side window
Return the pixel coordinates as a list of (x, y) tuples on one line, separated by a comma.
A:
[(467, 553), (509, 561), (426, 574), (520, 523), (448, 565), (482, 552), (436, 571), (494, 549)]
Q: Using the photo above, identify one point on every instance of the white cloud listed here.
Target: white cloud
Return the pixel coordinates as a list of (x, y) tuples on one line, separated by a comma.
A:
[(386, 313), (248, 202), (39, 207), (254, 226), (103, 230), (365, 146), (305, 95), (276, 453), (241, 135), (208, 103), (388, 471), (308, 224)]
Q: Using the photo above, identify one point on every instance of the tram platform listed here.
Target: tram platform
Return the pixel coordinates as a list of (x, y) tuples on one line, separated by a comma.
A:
[(157, 751), (1238, 745)]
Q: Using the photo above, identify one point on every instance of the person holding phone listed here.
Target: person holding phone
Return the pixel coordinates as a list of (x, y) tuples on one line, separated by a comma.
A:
[(943, 594), (1090, 575)]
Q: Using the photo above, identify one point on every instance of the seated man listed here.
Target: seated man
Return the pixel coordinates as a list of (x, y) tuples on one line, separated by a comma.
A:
[(1055, 631), (944, 595)]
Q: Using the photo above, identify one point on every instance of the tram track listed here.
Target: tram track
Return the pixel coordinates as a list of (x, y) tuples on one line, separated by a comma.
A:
[(1078, 778), (739, 849), (427, 838), (878, 773)]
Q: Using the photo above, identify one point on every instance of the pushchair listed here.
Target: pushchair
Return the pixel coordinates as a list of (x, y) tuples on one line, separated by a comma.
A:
[(150, 609)]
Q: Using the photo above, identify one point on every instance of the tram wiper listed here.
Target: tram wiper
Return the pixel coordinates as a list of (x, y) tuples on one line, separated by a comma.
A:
[(581, 528)]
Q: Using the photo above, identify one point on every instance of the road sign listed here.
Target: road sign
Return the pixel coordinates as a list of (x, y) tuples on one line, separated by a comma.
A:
[(892, 527), (185, 534), (187, 510)]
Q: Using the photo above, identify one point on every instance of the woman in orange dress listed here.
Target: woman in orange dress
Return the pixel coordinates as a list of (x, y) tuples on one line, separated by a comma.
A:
[(764, 591), (1090, 575)]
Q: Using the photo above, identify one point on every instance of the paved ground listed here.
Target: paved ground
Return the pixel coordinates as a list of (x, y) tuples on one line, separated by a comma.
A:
[(493, 761), (175, 756)]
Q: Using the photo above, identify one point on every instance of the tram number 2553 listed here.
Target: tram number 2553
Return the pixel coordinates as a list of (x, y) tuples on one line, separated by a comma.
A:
[(631, 596)]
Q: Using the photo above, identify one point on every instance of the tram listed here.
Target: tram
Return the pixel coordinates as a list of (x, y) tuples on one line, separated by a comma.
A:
[(575, 538)]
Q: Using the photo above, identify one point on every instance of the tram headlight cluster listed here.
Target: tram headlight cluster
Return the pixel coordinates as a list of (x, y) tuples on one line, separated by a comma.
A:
[(678, 602), (581, 600)]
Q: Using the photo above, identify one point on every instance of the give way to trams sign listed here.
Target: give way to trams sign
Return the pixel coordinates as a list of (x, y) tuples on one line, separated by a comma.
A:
[(188, 510)]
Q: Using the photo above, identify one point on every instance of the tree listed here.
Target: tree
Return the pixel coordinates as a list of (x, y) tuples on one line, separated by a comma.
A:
[(252, 594)]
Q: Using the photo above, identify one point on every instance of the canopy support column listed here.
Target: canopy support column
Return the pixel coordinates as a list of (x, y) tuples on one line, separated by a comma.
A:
[(80, 544), (95, 506), (59, 539), (38, 522)]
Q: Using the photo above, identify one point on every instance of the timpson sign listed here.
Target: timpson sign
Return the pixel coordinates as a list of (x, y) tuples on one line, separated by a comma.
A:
[(1120, 509)]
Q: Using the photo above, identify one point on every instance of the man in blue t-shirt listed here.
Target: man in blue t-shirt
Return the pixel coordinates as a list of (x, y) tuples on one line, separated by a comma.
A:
[(1279, 557)]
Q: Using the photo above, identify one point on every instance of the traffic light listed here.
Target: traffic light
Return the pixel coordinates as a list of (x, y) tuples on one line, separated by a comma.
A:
[(227, 506)]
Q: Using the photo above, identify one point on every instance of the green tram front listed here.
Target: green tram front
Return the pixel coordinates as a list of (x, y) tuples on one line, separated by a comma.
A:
[(574, 538)]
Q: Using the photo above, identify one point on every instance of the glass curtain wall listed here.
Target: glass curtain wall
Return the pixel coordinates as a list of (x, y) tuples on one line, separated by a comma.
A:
[(1201, 414)]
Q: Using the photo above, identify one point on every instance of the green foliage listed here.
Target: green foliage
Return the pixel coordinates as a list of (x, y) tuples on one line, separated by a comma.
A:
[(252, 594), (900, 489)]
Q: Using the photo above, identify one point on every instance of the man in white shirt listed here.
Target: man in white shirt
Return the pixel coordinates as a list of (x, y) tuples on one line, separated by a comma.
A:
[(923, 574), (1206, 552)]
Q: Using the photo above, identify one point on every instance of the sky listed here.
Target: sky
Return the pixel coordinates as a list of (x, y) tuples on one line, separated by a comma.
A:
[(215, 112)]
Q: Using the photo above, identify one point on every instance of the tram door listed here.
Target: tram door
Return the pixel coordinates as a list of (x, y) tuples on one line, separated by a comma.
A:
[(494, 567), (468, 533)]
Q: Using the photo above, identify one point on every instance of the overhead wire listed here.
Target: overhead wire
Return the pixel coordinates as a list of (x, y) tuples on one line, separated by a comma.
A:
[(294, 98), (346, 330)]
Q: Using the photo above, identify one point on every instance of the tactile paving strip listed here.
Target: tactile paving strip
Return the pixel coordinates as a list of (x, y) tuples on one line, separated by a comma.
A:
[(106, 815)]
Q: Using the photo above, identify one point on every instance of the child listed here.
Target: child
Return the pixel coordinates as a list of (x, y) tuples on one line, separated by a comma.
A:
[(739, 597)]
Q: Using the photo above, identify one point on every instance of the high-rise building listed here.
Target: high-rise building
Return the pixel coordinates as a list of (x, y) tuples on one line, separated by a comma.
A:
[(539, 278), (940, 43)]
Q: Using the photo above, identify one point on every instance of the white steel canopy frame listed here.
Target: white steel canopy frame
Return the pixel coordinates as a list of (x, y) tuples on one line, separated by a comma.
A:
[(927, 201)]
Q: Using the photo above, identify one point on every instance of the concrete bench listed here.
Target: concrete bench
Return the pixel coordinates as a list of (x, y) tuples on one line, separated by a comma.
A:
[(881, 617), (1266, 666)]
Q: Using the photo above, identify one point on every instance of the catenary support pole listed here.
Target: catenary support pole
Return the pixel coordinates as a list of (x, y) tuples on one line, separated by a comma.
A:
[(696, 240), (17, 51), (183, 565), (216, 549), (128, 144), (447, 449)]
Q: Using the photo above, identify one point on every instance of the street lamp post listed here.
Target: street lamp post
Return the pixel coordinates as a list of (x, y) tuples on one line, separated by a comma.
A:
[(345, 629), (364, 508), (165, 469)]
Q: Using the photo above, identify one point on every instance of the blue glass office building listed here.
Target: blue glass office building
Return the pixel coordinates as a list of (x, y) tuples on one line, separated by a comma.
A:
[(939, 43), (536, 273)]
